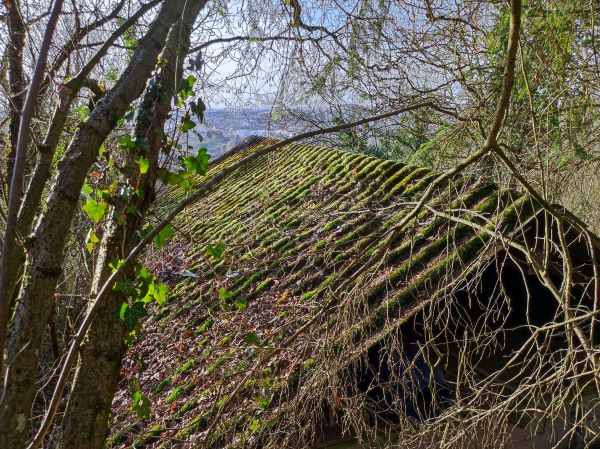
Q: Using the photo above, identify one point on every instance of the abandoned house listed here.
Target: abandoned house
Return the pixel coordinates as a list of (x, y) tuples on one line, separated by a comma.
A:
[(300, 315)]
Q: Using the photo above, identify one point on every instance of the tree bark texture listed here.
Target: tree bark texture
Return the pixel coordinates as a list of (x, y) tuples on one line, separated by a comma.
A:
[(11, 238), (16, 79)]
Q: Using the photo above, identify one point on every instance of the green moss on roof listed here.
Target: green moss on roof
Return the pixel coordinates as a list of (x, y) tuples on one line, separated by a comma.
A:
[(292, 221)]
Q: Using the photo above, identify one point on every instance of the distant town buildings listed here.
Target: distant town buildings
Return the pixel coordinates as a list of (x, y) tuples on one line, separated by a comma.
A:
[(225, 128)]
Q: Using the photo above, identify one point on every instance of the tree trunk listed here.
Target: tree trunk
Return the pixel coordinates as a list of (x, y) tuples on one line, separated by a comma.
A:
[(31, 200), (45, 254), (85, 423), (16, 80)]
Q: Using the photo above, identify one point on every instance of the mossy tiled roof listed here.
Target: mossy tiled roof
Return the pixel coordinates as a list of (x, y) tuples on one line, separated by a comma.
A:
[(295, 223)]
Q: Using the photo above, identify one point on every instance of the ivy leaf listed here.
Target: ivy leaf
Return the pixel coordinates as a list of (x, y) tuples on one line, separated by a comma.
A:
[(187, 89), (91, 240), (252, 339), (82, 112), (144, 274), (126, 142), (95, 210), (187, 124), (144, 164), (131, 314), (197, 164), (189, 82), (157, 291), (123, 311), (116, 264), (140, 403), (104, 194), (198, 107), (164, 236), (87, 191), (176, 179), (167, 176), (130, 40), (184, 181), (216, 251)]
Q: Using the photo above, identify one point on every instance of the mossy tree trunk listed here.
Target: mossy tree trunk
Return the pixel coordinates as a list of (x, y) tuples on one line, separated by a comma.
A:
[(96, 380)]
